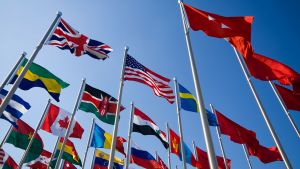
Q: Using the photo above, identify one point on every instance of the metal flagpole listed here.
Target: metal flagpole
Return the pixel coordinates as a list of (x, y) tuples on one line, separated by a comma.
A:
[(247, 155), (6, 136), (179, 124), (34, 134), (129, 136), (169, 148), (13, 71), (201, 107), (26, 67), (285, 108), (219, 137), (195, 151), (93, 161), (176, 167), (62, 164), (70, 123), (54, 151), (116, 126), (89, 142), (262, 110)]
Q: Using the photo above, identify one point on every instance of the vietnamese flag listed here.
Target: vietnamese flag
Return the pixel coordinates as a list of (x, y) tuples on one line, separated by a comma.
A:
[(291, 101)]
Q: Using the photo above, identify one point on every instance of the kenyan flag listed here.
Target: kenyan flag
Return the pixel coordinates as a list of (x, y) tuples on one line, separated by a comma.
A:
[(101, 104)]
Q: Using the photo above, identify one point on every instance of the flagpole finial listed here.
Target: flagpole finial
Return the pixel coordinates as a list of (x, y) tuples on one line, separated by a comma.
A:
[(49, 100), (84, 79), (131, 103), (59, 13), (24, 53), (174, 78), (126, 48)]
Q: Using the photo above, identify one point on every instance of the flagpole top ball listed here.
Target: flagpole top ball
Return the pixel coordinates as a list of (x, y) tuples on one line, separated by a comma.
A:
[(59, 13), (131, 102), (126, 47), (174, 78), (24, 53)]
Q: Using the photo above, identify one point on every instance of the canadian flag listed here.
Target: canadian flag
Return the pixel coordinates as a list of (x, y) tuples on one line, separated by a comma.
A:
[(57, 121)]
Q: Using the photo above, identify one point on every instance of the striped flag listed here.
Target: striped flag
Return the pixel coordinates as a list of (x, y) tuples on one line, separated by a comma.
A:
[(134, 71), (6, 162), (15, 108)]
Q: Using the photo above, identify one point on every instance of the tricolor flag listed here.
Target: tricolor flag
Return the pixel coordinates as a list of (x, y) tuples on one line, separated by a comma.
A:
[(102, 159), (134, 71), (6, 162), (41, 162), (15, 108), (143, 158), (101, 104), (67, 38), (57, 121), (144, 125)]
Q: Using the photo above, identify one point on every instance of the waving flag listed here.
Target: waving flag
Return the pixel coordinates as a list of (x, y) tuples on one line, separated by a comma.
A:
[(203, 160), (134, 71), (15, 108), (69, 153), (6, 162), (144, 125), (291, 100), (102, 159), (57, 121), (41, 162), (67, 38), (161, 163), (143, 158), (68, 165)]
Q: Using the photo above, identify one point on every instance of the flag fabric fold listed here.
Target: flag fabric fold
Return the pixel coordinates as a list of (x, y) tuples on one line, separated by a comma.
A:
[(6, 162), (203, 161), (67, 38), (143, 158), (102, 160), (41, 162), (101, 104), (265, 154), (15, 108), (38, 76), (135, 71), (57, 121), (291, 101), (144, 125)]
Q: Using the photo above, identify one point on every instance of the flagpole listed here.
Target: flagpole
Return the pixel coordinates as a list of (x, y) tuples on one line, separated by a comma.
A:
[(284, 108), (34, 134), (201, 107), (179, 124), (62, 165), (195, 151), (129, 135), (219, 137), (6, 136), (70, 123), (26, 67), (262, 110), (169, 148), (13, 71), (54, 151), (116, 126), (89, 142), (93, 161), (247, 155)]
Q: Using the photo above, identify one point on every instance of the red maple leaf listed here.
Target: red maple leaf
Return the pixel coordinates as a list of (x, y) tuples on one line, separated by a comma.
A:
[(63, 123)]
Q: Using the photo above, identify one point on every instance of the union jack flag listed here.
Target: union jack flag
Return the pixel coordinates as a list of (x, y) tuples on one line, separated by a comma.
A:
[(66, 37)]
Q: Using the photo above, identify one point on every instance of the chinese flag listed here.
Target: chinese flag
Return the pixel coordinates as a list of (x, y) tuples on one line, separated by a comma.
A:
[(265, 155), (291, 100), (203, 160), (174, 143), (219, 26)]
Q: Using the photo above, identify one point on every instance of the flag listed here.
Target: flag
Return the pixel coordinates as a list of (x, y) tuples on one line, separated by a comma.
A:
[(144, 125), (68, 165), (21, 137), (134, 71), (101, 104), (69, 153), (57, 121), (102, 139), (41, 162), (143, 158), (203, 163), (6, 162), (264, 154), (291, 101), (219, 26), (188, 102), (67, 38), (175, 148), (102, 160), (38, 76), (161, 163), (15, 108)]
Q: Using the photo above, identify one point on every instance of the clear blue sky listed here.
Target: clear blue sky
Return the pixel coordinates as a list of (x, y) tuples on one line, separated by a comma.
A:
[(154, 33)]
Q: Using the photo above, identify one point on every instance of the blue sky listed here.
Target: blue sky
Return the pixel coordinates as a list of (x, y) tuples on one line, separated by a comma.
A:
[(154, 33)]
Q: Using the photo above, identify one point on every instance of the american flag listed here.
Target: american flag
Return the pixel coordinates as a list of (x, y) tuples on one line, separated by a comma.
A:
[(135, 71), (66, 37)]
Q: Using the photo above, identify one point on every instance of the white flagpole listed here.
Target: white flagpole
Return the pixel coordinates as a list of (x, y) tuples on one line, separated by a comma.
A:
[(262, 110), (54, 151), (93, 161), (89, 142), (219, 137), (169, 148), (116, 126), (285, 108), (179, 124), (201, 106), (13, 71), (34, 134), (195, 151), (129, 136), (62, 164), (26, 67), (70, 125), (6, 136), (247, 155)]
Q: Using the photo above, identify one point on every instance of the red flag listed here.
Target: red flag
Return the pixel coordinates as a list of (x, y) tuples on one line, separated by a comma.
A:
[(242, 45), (120, 145), (219, 26), (203, 160), (6, 161), (265, 155), (291, 100), (68, 165), (174, 143), (161, 163)]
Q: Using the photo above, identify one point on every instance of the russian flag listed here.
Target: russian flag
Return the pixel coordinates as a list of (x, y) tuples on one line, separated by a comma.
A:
[(143, 159)]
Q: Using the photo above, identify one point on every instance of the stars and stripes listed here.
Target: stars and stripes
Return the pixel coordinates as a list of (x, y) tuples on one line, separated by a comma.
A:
[(134, 71)]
